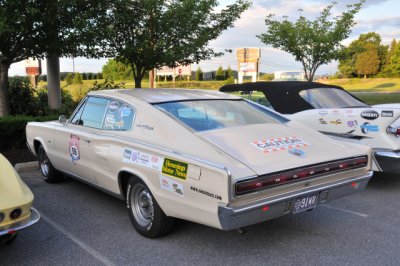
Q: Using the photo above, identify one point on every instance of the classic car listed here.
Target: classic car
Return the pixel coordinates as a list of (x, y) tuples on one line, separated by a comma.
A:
[(333, 111), (16, 211), (201, 156)]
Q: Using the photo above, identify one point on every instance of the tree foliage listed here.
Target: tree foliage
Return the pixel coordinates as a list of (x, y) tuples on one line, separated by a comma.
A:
[(199, 74), (311, 42), (114, 70), (155, 33), (219, 75), (368, 62), (368, 43), (78, 78)]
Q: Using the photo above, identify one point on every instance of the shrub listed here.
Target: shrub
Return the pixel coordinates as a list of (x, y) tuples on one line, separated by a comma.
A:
[(12, 130), (22, 97)]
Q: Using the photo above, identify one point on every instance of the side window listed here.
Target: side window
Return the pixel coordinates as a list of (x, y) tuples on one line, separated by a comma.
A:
[(76, 119), (93, 112), (119, 116)]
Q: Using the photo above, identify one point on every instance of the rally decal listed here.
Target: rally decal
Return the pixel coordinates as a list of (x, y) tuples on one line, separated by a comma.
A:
[(277, 144), (142, 159), (74, 148), (170, 185), (175, 168)]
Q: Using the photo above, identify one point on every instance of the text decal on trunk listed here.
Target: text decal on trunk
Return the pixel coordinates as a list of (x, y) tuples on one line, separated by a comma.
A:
[(277, 144)]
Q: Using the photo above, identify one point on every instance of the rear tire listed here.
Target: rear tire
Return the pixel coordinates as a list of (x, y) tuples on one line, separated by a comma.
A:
[(145, 213), (49, 173)]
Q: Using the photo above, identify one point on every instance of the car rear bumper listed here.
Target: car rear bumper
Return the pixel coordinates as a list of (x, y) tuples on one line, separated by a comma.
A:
[(236, 217), (388, 160), (18, 226)]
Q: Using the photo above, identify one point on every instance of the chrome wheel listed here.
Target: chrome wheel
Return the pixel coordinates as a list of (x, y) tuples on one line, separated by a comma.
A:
[(44, 162), (142, 205)]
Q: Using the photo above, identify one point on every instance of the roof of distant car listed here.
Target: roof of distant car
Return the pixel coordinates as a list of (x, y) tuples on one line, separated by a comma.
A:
[(169, 95)]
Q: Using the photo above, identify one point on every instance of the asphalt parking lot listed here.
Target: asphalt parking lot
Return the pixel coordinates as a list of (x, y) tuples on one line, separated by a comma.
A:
[(83, 226)]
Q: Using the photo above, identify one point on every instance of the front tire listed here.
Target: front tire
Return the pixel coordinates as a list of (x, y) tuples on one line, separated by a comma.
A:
[(49, 173), (7, 239), (145, 213)]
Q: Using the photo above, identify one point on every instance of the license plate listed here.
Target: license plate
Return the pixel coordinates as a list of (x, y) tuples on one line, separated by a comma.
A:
[(305, 203)]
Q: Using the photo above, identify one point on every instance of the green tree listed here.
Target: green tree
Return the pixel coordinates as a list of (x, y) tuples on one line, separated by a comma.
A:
[(18, 34), (69, 79), (311, 42), (155, 33), (78, 78), (219, 75), (365, 42), (395, 61), (389, 69), (368, 62), (199, 74), (31, 28), (114, 70), (228, 73)]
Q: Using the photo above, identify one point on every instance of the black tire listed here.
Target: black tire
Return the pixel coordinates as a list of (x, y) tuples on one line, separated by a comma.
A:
[(7, 239), (49, 173), (145, 213)]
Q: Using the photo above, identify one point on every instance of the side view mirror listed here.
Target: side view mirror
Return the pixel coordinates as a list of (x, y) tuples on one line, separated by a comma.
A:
[(62, 119)]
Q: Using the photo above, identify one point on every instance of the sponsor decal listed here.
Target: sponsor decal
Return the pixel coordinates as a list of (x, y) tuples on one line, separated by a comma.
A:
[(142, 159), (201, 191), (323, 112), (175, 168), (349, 111), (124, 111), (369, 115), (367, 127), (113, 106), (170, 185), (335, 112), (322, 121), (352, 123), (74, 148), (297, 152), (277, 144), (336, 122), (387, 113)]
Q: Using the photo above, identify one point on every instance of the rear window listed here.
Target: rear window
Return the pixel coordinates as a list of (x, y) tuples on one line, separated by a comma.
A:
[(214, 114), (330, 98)]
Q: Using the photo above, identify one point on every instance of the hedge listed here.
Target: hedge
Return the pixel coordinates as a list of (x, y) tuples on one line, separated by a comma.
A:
[(12, 130)]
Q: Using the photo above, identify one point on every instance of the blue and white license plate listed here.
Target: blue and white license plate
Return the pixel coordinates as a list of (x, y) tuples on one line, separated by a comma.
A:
[(305, 203)]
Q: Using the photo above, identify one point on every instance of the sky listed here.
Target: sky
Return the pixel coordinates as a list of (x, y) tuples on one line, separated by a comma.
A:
[(381, 16)]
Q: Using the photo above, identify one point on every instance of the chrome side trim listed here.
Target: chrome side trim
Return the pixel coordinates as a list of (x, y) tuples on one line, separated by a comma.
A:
[(33, 218), (390, 154)]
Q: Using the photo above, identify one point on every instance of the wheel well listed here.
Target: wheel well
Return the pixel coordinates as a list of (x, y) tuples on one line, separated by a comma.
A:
[(123, 179), (36, 145)]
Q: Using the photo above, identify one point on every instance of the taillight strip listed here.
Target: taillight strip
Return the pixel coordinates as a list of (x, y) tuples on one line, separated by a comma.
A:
[(298, 174)]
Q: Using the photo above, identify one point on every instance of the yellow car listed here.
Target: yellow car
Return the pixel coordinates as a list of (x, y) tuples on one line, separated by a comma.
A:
[(16, 200)]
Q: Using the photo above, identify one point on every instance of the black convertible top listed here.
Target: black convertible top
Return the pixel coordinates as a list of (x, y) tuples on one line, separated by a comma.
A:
[(284, 96)]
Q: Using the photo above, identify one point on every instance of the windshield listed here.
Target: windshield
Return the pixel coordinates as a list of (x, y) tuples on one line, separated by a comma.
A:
[(330, 98), (213, 114)]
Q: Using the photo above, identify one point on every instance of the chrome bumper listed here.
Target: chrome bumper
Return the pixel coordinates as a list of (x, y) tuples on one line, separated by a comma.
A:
[(232, 217), (387, 160), (34, 218)]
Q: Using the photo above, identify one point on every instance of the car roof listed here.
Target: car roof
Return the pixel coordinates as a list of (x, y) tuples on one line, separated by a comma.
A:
[(168, 95), (283, 95)]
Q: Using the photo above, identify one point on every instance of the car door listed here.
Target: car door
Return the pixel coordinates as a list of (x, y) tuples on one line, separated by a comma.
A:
[(74, 139)]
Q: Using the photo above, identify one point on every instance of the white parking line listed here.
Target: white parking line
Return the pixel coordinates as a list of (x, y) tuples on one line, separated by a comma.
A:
[(347, 211), (74, 239)]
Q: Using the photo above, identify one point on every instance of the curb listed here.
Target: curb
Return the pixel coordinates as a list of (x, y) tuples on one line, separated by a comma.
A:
[(25, 167)]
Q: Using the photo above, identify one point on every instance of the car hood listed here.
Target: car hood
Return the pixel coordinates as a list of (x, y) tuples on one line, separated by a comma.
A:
[(387, 105), (267, 148), (13, 191)]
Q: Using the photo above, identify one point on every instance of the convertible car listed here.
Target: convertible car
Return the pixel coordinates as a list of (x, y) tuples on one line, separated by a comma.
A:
[(16, 212), (333, 111), (202, 156)]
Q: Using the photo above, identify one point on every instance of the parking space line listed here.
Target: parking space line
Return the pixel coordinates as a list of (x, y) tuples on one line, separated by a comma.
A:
[(347, 211), (74, 239)]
